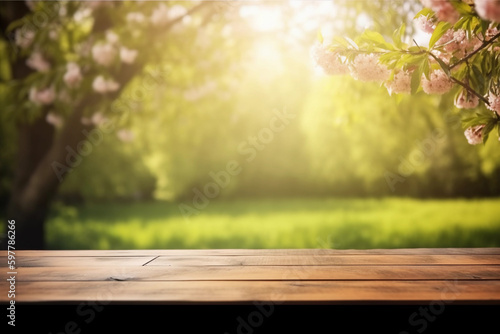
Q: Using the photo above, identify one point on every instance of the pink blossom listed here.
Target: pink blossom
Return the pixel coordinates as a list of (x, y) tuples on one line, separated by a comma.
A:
[(466, 100), (488, 9), (162, 14), (125, 135), (400, 84), (450, 41), (439, 83), (135, 17), (98, 119), (103, 54), (42, 97), (54, 119), (101, 85), (425, 24), (490, 33), (474, 134), (37, 62), (86, 121), (111, 37), (82, 14), (73, 76), (24, 38), (494, 102), (328, 61), (177, 11), (53, 34), (366, 67), (457, 43), (444, 10), (127, 55)]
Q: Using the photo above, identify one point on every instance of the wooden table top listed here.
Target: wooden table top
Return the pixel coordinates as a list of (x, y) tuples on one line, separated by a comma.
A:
[(280, 276)]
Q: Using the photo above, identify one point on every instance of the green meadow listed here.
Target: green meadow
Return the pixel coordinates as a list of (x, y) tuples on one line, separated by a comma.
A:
[(280, 223)]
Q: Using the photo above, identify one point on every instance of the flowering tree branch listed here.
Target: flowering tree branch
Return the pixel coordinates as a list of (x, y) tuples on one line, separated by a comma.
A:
[(472, 54), (455, 57)]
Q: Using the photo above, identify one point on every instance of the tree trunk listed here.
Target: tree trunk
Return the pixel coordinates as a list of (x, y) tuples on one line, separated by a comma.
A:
[(34, 141)]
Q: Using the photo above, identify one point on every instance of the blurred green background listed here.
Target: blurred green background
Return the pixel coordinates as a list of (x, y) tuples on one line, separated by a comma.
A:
[(353, 168)]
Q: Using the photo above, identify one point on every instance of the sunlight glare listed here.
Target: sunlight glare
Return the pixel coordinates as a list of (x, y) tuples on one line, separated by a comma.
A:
[(262, 18)]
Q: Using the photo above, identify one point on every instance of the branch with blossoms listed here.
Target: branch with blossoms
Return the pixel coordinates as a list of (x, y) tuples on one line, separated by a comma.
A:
[(462, 57), (89, 48)]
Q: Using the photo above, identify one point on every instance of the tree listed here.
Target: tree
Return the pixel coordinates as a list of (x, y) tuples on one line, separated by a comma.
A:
[(69, 63), (462, 58)]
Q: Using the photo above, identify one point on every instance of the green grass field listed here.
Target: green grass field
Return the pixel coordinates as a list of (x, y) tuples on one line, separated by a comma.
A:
[(286, 223)]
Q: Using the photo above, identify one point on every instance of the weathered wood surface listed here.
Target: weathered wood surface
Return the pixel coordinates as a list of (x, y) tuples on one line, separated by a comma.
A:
[(458, 276)]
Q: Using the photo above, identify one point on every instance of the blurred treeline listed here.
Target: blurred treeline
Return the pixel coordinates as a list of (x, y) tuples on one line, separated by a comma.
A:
[(223, 84)]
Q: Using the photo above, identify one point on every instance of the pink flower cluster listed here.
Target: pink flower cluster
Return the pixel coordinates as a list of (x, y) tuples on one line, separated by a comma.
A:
[(466, 100), (444, 10), (103, 86), (42, 96), (125, 135), (366, 67), (54, 119), (458, 44), (494, 102), (37, 62), (105, 53), (328, 61), (73, 76), (163, 14), (400, 84), (425, 24), (24, 38), (474, 134), (488, 9), (438, 83)]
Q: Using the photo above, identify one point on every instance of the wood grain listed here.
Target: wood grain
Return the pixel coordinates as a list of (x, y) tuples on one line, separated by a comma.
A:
[(78, 261), (256, 273), (325, 260), (259, 252), (248, 291)]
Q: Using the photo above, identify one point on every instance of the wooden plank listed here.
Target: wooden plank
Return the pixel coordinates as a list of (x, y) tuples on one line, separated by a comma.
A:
[(330, 260), (255, 273), (87, 261), (248, 291), (259, 252), (77, 261)]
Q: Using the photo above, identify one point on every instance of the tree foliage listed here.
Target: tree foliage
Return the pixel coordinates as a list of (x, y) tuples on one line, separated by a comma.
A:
[(462, 57)]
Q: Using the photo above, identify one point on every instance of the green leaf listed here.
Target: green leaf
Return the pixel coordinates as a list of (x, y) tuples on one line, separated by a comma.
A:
[(462, 22), (351, 42), (461, 7), (443, 66), (340, 41), (425, 68), (397, 36), (441, 29), (479, 76), (374, 38), (320, 37), (424, 12), (478, 120), (487, 129), (415, 80), (415, 48)]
